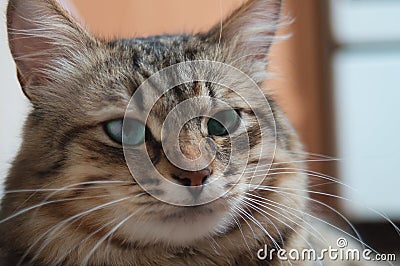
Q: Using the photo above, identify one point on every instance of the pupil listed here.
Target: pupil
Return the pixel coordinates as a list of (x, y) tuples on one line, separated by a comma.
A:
[(216, 128), (223, 122)]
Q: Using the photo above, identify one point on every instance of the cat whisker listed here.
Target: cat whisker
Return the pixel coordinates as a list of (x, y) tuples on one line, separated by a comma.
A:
[(67, 188), (311, 154), (262, 201), (259, 210), (248, 204), (49, 233), (256, 222), (264, 187), (215, 246), (85, 183), (93, 234), (303, 170), (138, 218), (56, 189), (357, 238), (42, 187), (241, 211), (308, 173), (294, 161), (43, 204), (61, 259), (237, 212), (85, 261), (107, 248), (320, 184), (263, 212), (287, 217), (334, 196), (241, 231)]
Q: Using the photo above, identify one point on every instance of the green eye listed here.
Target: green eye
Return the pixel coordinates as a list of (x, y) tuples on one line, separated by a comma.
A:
[(133, 133), (223, 122)]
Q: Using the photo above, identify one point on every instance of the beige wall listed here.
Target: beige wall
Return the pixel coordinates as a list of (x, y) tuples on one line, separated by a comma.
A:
[(130, 18)]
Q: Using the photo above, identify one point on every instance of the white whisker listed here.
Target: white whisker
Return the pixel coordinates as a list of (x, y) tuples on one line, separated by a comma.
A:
[(89, 255), (251, 218), (66, 188), (358, 238), (286, 217), (51, 231), (43, 204)]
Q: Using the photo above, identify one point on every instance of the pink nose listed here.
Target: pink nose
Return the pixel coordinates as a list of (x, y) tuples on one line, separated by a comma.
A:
[(193, 179)]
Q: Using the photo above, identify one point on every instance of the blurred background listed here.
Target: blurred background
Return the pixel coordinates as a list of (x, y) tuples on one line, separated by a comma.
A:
[(337, 78)]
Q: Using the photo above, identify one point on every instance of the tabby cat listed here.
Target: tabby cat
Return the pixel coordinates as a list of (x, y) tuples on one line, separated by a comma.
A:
[(70, 197)]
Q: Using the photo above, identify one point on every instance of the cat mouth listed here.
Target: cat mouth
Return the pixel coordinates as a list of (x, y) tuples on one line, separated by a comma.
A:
[(188, 213), (178, 225)]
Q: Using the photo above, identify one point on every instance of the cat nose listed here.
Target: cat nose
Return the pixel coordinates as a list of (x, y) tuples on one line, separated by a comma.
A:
[(194, 180)]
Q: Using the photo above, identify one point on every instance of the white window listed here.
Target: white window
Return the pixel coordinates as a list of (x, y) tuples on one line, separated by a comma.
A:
[(366, 74)]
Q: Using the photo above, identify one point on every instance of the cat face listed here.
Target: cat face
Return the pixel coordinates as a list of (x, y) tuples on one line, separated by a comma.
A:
[(75, 146)]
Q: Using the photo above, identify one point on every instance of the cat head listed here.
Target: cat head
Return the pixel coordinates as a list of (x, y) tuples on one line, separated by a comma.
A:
[(74, 140)]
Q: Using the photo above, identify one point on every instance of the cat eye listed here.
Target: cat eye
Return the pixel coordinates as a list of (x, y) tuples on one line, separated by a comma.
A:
[(133, 133), (223, 123)]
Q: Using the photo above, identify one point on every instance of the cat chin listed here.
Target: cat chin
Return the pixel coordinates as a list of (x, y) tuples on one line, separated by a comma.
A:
[(183, 227)]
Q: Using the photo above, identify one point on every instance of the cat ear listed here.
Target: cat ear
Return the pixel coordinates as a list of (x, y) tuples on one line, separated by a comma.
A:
[(248, 33), (43, 39)]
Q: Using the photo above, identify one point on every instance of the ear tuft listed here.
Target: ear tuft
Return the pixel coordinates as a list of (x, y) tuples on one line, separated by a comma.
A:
[(42, 37), (248, 34)]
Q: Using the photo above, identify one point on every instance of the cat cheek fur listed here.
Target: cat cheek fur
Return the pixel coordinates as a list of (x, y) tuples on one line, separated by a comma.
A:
[(81, 204)]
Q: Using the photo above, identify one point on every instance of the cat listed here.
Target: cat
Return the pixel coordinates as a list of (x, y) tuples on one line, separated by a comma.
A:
[(70, 197)]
